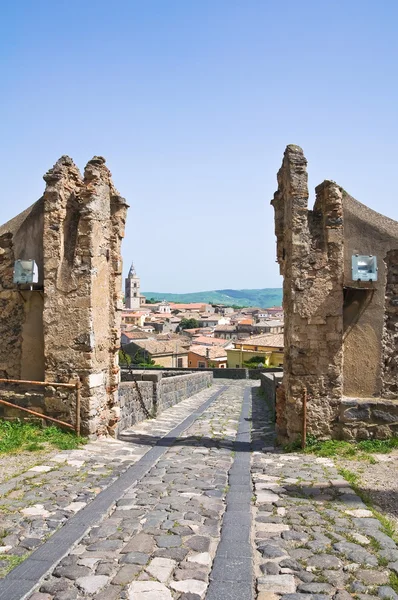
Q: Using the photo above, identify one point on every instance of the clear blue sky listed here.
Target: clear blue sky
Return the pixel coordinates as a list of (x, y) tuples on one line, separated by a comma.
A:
[(192, 103)]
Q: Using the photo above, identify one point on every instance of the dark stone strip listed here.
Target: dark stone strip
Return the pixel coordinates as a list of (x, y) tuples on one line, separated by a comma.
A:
[(22, 580), (232, 574)]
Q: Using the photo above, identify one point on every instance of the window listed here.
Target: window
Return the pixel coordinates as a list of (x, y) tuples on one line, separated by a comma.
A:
[(237, 366), (190, 362), (201, 365), (179, 362)]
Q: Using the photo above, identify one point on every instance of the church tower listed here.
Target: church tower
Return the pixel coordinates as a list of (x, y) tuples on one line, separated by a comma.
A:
[(133, 296)]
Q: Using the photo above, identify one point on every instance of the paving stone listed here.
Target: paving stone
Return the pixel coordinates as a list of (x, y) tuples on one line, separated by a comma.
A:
[(325, 561), (169, 541), (40, 596), (72, 572), (139, 543), (202, 558), (356, 552), (269, 568), (135, 558), (315, 588), (92, 583), (342, 595), (177, 554), (191, 586), (387, 592), (54, 585), (271, 551), (126, 574), (369, 577), (148, 590), (280, 584), (161, 568), (198, 543), (360, 513)]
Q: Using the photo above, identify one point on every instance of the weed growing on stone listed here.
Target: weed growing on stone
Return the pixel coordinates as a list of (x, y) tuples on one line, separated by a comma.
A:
[(358, 450), (12, 561), (349, 476), (394, 581), (17, 436)]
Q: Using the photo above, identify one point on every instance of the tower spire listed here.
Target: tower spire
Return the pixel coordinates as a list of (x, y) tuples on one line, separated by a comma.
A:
[(132, 272)]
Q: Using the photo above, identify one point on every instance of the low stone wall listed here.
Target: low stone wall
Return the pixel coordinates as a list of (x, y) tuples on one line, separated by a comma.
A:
[(217, 373), (172, 390), (268, 385), (156, 394), (366, 418), (132, 404)]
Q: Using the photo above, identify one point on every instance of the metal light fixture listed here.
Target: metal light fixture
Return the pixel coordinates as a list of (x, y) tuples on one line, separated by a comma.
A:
[(25, 272), (364, 267)]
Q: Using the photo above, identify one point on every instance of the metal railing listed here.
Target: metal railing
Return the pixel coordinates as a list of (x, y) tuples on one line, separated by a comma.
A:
[(76, 386)]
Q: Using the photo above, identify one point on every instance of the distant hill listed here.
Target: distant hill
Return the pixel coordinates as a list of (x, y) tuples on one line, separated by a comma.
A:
[(264, 298)]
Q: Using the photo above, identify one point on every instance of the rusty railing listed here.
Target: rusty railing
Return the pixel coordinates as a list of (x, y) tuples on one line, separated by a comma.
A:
[(76, 386)]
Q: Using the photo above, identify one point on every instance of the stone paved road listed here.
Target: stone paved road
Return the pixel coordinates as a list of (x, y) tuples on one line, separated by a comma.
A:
[(36, 503), (196, 525)]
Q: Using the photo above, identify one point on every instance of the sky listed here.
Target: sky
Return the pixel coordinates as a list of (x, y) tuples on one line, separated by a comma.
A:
[(192, 103)]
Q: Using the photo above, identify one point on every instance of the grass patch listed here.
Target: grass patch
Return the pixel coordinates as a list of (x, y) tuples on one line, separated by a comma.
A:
[(394, 581), (18, 436), (388, 526), (12, 562), (349, 476), (332, 448)]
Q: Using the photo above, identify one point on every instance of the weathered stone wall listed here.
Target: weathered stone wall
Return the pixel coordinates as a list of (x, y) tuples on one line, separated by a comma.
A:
[(310, 254), (340, 335), (21, 330), (365, 232), (158, 393), (390, 331), (362, 419), (69, 329)]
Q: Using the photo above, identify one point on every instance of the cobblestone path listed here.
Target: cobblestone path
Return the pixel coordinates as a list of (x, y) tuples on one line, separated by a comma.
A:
[(217, 516)]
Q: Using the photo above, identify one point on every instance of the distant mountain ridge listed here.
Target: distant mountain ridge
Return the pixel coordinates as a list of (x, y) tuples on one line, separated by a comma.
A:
[(264, 298)]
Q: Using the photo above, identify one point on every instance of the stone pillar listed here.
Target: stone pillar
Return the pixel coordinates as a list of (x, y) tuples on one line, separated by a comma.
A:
[(83, 225), (310, 254)]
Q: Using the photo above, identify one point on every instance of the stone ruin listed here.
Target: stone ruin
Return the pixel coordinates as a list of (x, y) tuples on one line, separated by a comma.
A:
[(68, 326), (341, 336)]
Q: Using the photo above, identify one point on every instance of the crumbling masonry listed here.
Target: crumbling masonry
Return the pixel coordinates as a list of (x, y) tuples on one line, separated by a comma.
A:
[(68, 327), (341, 336)]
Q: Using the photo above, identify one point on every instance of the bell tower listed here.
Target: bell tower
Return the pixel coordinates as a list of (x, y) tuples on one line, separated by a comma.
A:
[(133, 295)]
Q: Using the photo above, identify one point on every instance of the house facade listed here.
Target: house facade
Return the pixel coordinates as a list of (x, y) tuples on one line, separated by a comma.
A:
[(267, 348)]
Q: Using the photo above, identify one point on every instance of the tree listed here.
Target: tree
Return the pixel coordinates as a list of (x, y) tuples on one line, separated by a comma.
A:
[(255, 362), (188, 324)]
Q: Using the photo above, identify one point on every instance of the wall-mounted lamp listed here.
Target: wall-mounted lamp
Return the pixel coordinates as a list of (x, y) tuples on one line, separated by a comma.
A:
[(364, 267), (25, 272)]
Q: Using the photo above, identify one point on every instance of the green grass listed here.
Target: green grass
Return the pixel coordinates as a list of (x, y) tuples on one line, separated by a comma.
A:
[(349, 450), (349, 476), (394, 581), (12, 562), (17, 436), (388, 526)]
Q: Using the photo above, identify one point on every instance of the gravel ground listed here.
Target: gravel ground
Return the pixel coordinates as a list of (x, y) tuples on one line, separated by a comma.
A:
[(379, 481), (12, 465)]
